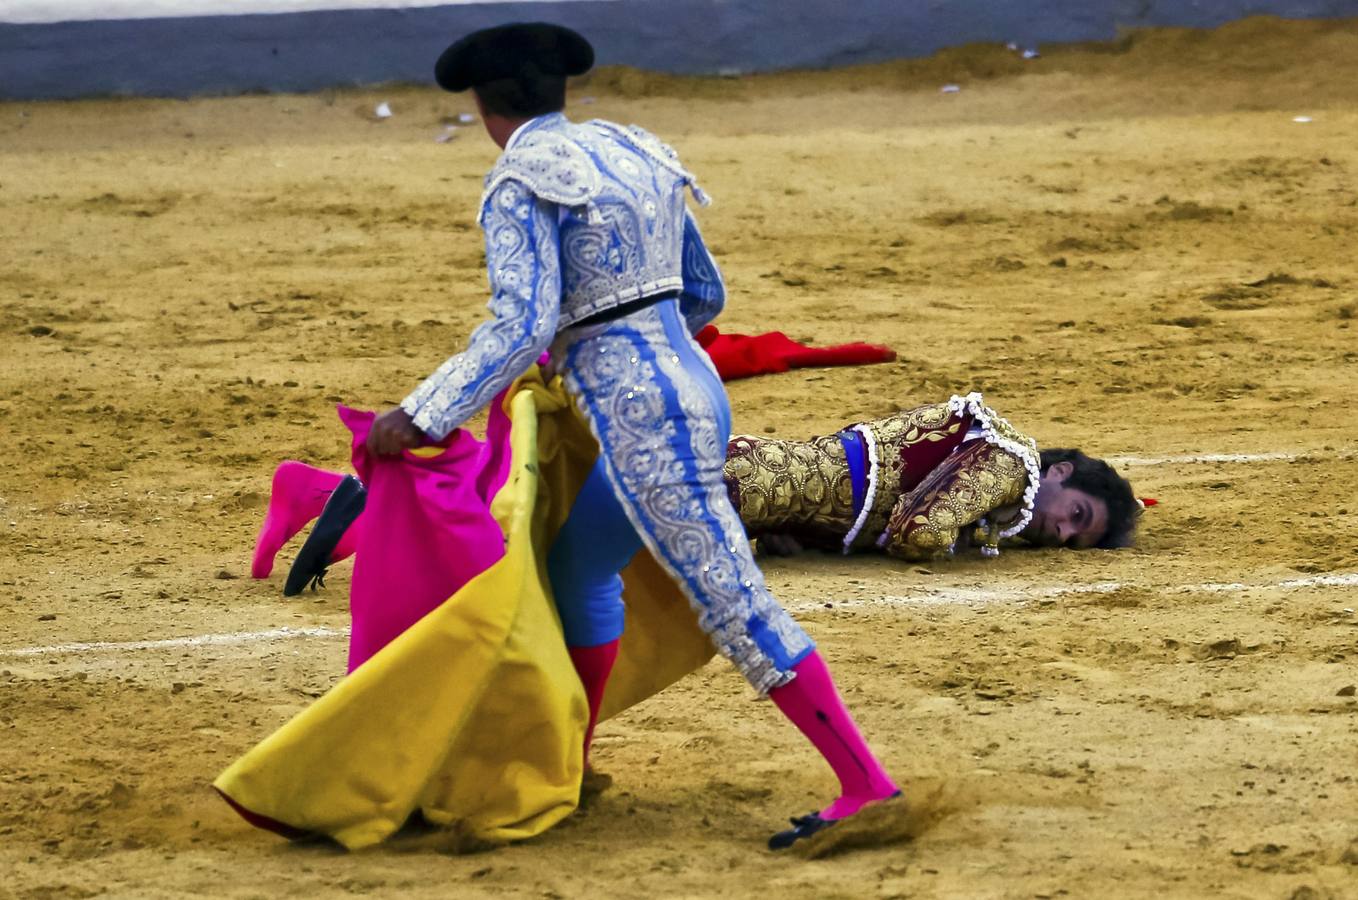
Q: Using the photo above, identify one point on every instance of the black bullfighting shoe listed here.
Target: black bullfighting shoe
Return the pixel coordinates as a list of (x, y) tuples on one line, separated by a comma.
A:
[(812, 823), (343, 507), (802, 827)]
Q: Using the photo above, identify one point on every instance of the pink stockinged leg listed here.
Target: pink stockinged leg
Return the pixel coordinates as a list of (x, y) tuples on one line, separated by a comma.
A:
[(298, 495), (814, 706), (593, 665)]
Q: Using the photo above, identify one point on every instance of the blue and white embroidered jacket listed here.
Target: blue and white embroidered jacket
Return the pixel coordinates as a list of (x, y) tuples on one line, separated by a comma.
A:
[(578, 219)]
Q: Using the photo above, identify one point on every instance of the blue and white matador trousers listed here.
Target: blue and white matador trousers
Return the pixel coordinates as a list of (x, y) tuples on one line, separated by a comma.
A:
[(660, 413)]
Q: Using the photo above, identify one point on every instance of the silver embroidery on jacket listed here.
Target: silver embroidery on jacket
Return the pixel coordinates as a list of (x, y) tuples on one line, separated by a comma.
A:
[(579, 218), (625, 190), (525, 283)]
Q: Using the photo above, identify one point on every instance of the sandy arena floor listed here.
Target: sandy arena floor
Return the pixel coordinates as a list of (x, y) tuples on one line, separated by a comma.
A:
[(1132, 248)]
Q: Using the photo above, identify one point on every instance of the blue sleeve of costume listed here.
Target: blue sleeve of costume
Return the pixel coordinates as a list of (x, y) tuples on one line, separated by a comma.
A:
[(523, 262), (704, 293)]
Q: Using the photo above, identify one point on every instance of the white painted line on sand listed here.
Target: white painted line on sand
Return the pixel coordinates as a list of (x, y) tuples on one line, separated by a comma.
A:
[(1197, 458), (966, 596), (1277, 456), (1346, 579), (196, 640), (929, 597)]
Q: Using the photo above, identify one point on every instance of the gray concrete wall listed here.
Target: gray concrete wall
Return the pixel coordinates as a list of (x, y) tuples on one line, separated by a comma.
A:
[(185, 56)]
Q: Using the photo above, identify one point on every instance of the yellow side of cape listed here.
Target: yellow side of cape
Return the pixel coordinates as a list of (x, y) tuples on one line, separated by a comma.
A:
[(475, 715)]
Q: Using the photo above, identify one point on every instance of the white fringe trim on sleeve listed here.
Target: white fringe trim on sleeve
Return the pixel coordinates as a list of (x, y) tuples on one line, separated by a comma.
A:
[(972, 404)]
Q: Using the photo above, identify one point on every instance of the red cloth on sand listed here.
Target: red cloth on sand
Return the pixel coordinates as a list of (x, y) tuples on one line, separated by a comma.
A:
[(742, 355)]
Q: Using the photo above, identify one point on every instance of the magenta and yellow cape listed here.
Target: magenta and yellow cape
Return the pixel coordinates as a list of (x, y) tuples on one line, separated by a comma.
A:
[(474, 716)]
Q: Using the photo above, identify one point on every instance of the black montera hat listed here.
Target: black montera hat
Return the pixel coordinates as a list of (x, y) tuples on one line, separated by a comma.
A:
[(511, 51)]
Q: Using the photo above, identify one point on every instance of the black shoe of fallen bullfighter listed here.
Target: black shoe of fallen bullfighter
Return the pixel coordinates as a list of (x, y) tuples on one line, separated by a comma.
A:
[(343, 507)]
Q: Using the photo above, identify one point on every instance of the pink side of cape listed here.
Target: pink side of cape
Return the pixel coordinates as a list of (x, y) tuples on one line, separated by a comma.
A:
[(426, 530)]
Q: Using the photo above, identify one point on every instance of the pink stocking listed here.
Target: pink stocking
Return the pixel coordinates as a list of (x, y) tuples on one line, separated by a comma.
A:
[(814, 706), (298, 495), (593, 665)]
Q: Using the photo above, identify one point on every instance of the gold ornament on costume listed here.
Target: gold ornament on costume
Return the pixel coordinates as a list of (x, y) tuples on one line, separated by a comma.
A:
[(970, 484), (791, 484), (804, 488)]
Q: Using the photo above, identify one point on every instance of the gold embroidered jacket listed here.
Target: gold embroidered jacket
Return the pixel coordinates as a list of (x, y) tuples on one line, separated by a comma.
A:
[(926, 474)]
